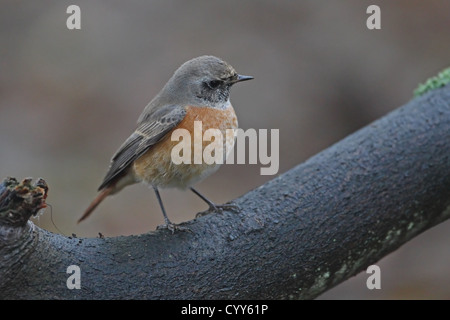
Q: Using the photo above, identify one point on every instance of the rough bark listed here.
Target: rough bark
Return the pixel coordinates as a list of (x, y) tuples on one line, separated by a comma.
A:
[(296, 236)]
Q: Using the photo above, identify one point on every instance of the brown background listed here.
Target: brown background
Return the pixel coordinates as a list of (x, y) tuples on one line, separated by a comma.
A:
[(68, 99)]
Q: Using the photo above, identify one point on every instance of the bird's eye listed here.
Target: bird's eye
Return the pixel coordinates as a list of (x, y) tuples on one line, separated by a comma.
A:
[(213, 84)]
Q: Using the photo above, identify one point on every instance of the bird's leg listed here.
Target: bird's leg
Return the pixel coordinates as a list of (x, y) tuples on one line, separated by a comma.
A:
[(167, 223), (214, 207)]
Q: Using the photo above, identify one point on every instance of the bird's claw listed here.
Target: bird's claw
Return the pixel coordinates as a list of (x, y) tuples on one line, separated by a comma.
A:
[(219, 208), (173, 227)]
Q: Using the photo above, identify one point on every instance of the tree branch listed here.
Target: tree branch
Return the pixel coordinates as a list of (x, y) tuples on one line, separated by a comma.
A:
[(296, 236)]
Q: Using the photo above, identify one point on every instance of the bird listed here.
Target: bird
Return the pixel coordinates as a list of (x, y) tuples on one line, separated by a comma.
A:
[(199, 90)]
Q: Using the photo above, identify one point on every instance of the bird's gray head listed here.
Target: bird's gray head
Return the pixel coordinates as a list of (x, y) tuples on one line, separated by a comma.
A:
[(205, 80)]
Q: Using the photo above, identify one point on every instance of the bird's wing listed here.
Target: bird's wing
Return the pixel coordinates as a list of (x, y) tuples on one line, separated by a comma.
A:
[(149, 131)]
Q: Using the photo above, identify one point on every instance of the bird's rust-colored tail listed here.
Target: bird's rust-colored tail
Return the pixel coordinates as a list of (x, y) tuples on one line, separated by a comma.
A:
[(102, 195)]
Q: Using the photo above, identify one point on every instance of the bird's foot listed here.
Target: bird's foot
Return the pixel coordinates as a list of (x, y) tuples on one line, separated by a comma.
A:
[(219, 208), (173, 227)]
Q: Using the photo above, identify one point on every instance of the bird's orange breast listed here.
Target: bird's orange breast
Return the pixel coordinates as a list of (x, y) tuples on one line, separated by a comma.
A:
[(156, 166)]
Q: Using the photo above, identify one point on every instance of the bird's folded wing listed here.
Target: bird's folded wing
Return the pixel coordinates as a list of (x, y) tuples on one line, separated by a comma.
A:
[(149, 131)]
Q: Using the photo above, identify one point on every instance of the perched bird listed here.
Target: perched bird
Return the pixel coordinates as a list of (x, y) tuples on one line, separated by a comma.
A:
[(199, 90)]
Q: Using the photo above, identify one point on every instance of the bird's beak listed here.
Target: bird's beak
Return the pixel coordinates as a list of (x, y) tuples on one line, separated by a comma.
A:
[(240, 78)]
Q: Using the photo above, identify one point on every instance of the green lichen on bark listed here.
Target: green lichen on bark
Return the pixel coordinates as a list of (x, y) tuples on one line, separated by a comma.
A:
[(432, 83)]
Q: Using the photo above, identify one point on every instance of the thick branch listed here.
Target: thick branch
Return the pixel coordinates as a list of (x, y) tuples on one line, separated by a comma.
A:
[(297, 235)]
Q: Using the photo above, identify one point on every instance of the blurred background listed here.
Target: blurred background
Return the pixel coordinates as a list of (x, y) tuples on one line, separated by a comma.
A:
[(69, 98)]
